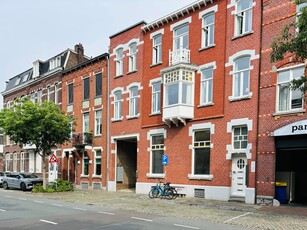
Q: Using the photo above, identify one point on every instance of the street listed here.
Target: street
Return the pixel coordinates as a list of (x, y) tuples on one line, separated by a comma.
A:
[(18, 210)]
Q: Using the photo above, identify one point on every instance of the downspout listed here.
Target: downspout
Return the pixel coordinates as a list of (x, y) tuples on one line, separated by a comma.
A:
[(108, 122), (258, 100)]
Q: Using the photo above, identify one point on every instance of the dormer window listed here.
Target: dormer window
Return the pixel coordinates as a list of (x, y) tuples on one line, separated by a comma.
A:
[(54, 63)]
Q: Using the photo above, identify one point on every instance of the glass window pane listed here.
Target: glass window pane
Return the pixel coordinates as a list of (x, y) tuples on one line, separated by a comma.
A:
[(283, 76), (157, 139), (98, 85), (242, 63), (172, 94), (202, 161), (298, 72), (202, 135), (157, 161)]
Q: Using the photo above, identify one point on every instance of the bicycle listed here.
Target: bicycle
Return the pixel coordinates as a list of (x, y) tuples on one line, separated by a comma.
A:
[(166, 191)]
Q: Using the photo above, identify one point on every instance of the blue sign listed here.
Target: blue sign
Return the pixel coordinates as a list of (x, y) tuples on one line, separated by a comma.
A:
[(164, 159)]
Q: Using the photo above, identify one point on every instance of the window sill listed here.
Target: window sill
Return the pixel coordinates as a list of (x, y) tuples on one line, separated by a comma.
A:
[(289, 112), (116, 119), (133, 117), (155, 114), (157, 175), (206, 47), (242, 35), (84, 176), (200, 177), (205, 105), (131, 72), (118, 76), (232, 98), (96, 176), (97, 135), (156, 64)]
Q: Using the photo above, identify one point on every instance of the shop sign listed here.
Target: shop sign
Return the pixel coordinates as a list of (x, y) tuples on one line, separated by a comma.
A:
[(296, 128)]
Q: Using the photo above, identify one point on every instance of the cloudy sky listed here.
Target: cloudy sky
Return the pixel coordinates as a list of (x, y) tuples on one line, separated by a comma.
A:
[(40, 29)]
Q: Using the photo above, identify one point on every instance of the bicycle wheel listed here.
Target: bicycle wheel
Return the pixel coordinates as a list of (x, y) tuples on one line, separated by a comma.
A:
[(168, 194), (154, 193), (174, 193)]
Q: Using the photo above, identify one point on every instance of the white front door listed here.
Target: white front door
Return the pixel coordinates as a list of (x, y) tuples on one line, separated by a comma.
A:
[(53, 172), (238, 184)]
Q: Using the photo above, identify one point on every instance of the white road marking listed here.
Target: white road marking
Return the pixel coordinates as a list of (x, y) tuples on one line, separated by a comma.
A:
[(82, 209), (107, 213), (2, 210), (22, 199), (237, 217), (8, 196), (137, 218), (38, 201), (47, 221), (186, 226), (59, 205)]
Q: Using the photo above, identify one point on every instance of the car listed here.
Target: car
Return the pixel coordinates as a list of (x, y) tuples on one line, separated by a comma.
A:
[(2, 175), (23, 181)]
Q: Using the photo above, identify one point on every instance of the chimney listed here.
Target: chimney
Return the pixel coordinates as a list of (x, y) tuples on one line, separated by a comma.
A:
[(80, 52)]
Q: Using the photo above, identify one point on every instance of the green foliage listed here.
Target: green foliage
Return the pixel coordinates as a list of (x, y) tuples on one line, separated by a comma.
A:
[(59, 185), (38, 189)]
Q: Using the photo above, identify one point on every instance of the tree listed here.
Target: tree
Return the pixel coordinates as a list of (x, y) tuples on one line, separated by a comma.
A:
[(293, 41), (41, 125)]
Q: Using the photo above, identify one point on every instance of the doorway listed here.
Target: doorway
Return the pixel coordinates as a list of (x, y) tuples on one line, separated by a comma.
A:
[(238, 183), (126, 164)]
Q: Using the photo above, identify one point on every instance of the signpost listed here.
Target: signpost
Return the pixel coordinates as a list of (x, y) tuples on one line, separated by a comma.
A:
[(165, 163), (54, 159)]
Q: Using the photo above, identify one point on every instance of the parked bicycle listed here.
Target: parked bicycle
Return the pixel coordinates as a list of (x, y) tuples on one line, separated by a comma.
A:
[(166, 191)]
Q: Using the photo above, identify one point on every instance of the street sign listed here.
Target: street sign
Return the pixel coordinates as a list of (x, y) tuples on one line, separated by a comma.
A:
[(54, 159), (165, 159)]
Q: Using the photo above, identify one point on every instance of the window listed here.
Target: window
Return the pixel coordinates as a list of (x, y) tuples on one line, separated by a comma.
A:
[(132, 57), (208, 30), (181, 37), (14, 162), (22, 162), (86, 122), (119, 62), (39, 96), (98, 162), (17, 81), (48, 93), (178, 87), (243, 17), (1, 137), (157, 49), (33, 97), (156, 97), (98, 122), (86, 88), (157, 150), (133, 101), (70, 94), (56, 93), (201, 151), (85, 164), (240, 137), (241, 77), (54, 63), (98, 84), (7, 162), (118, 105), (289, 99), (206, 86)]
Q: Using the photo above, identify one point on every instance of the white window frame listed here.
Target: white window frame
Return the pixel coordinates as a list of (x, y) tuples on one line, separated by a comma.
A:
[(15, 159), (288, 108), (95, 162), (133, 102), (181, 37), (239, 138), (156, 50), (84, 158), (48, 93), (242, 15), (56, 93), (208, 30), (22, 162), (156, 96), (206, 87), (40, 96), (132, 57), (86, 122), (33, 97), (7, 162), (98, 123), (119, 60), (118, 103)]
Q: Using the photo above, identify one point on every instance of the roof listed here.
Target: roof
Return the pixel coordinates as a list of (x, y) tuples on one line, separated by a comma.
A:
[(176, 14), (128, 28)]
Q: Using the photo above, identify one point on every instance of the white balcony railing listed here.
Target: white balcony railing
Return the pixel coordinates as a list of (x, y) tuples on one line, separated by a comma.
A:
[(179, 56)]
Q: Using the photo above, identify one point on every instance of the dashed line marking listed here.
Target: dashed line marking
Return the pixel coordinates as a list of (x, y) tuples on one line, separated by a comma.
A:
[(22, 199), (107, 213), (186, 226), (138, 218), (81, 209), (2, 210), (38, 201), (58, 205), (48, 222), (237, 217)]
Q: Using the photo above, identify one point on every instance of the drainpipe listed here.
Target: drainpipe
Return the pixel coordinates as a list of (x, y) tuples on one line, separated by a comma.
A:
[(108, 122)]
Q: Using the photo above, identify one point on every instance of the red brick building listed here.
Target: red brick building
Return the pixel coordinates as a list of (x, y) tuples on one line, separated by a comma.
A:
[(282, 131), (41, 82), (85, 98), (126, 73)]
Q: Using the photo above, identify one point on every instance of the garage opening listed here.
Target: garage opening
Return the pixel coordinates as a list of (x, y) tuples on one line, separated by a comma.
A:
[(291, 159), (126, 164)]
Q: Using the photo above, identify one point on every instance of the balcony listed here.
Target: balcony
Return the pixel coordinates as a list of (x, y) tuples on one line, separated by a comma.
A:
[(82, 139), (179, 56)]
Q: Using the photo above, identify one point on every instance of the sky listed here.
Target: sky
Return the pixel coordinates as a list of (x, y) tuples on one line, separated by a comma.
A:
[(39, 29)]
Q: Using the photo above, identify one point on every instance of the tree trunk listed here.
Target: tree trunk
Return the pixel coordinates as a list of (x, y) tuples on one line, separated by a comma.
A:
[(44, 171)]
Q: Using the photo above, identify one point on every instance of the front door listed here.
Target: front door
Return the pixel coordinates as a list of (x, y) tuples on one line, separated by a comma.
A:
[(238, 184), (53, 172)]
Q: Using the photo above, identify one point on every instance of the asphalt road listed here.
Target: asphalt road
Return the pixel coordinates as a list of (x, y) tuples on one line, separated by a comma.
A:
[(19, 211)]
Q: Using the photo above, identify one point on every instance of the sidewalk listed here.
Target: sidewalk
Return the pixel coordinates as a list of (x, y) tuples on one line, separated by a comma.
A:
[(235, 213)]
